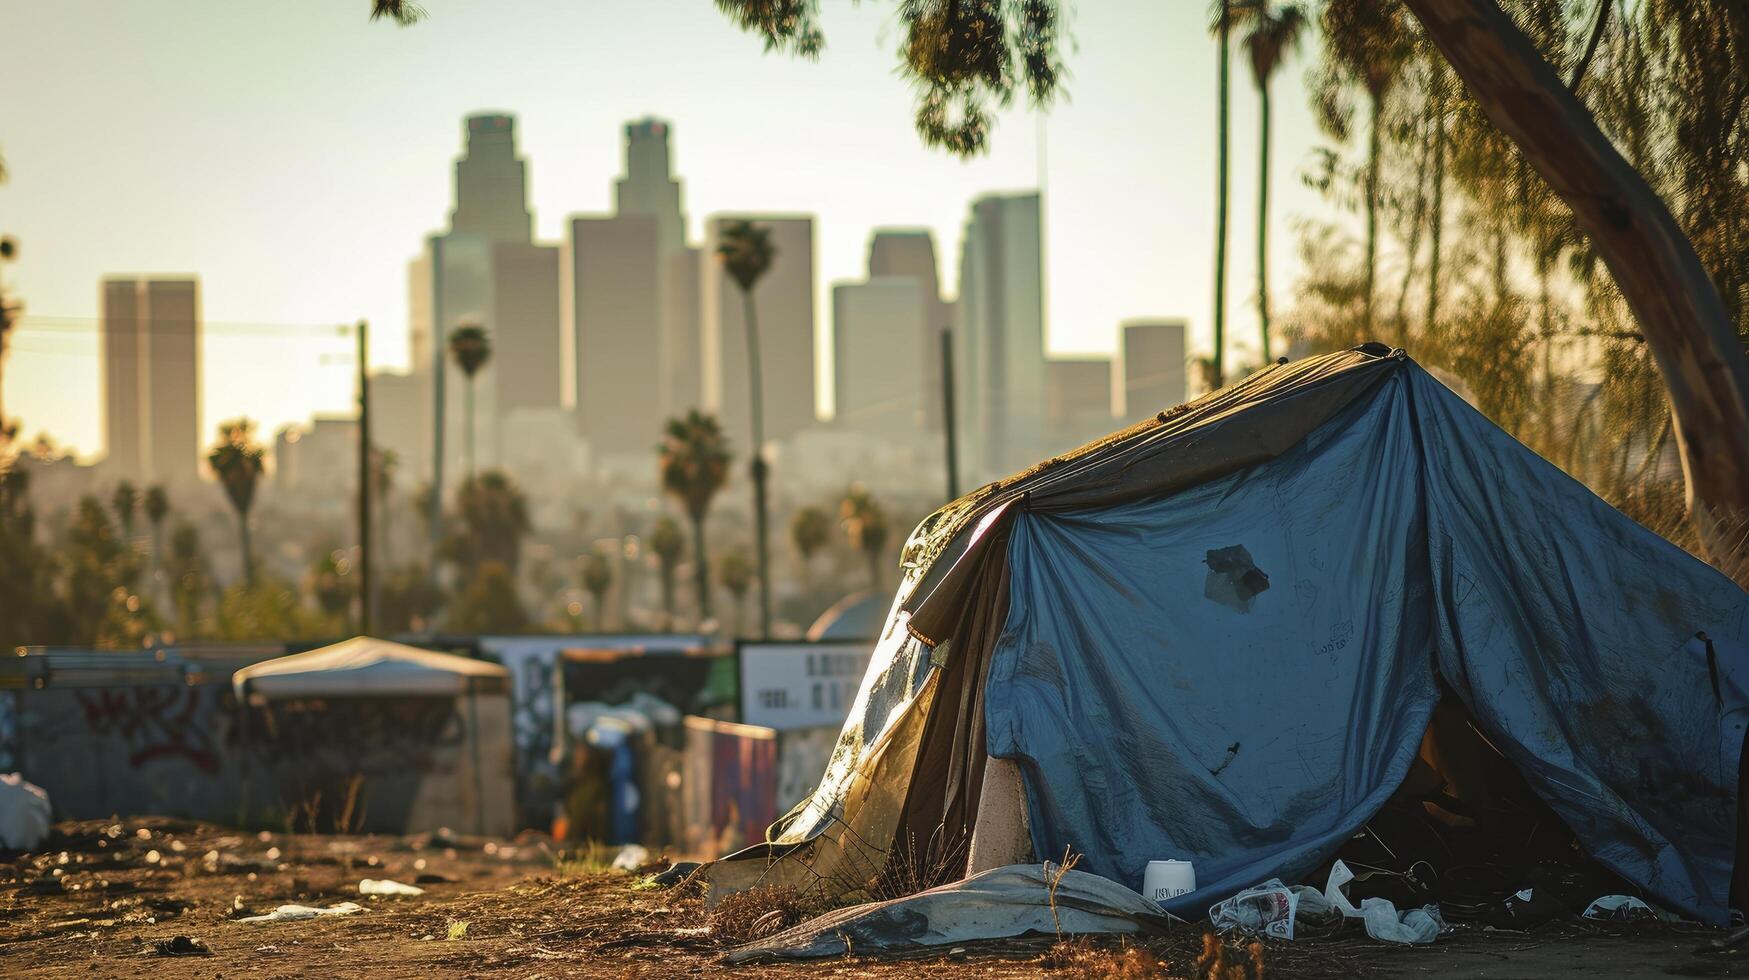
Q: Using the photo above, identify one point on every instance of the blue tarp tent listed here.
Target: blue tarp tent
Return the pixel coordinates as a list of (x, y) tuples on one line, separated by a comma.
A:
[(1221, 635)]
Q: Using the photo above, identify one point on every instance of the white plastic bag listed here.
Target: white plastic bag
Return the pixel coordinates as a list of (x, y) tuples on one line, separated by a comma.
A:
[(387, 886), (1383, 922), (25, 814), (296, 913)]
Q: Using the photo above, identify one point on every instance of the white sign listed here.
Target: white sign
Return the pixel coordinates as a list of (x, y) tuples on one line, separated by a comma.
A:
[(787, 686)]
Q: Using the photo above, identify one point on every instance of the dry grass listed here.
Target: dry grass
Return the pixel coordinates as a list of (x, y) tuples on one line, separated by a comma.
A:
[(759, 912)]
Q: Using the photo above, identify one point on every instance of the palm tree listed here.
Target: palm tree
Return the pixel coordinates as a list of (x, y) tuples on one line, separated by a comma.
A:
[(666, 543), (865, 524), (125, 499), (693, 460), (597, 577), (736, 574), (494, 520), (471, 348), (808, 529), (1222, 29), (1365, 41), (746, 253), (1272, 33), (236, 461)]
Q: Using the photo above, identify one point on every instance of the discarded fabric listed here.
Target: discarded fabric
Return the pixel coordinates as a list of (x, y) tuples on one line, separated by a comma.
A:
[(631, 857), (384, 886), (1016, 900), (296, 913)]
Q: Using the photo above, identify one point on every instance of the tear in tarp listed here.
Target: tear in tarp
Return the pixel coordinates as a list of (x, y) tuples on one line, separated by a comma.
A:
[(1001, 903)]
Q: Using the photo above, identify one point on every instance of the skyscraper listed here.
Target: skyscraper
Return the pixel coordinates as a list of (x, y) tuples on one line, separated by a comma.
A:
[(648, 187), (910, 252), (1077, 400), (152, 378), (526, 325), (485, 269), (491, 182), (682, 388), (1001, 341), (785, 308), (878, 354), (616, 311), (1153, 367)]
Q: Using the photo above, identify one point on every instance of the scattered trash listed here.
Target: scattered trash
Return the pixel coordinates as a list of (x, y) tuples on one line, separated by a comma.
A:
[(676, 873), (631, 857), (1277, 910), (1626, 908), (181, 946), (1383, 922), (385, 886), (1524, 910), (296, 913), (25, 814), (457, 930)]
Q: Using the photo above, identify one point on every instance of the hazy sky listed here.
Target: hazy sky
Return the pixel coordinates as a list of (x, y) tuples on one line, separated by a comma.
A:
[(293, 155)]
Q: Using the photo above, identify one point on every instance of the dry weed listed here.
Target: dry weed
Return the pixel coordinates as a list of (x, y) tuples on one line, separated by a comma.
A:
[(1085, 961), (1221, 962), (757, 913)]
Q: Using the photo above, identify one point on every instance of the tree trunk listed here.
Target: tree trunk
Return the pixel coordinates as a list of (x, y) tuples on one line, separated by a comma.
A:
[(668, 595), (1436, 219), (1263, 215), (1681, 314), (1219, 363), (1372, 215), (760, 471), (248, 560), (701, 570), (470, 428)]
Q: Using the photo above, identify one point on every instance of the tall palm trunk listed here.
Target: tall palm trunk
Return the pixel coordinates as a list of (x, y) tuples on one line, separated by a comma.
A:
[(1372, 212), (701, 569), (471, 425), (1218, 372), (756, 391), (248, 557), (1263, 216), (874, 572), (668, 594)]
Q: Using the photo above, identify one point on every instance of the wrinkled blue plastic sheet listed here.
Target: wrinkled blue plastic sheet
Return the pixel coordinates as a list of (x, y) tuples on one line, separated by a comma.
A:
[(1240, 674)]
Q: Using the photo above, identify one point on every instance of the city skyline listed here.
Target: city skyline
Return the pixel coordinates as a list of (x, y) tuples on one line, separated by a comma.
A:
[(391, 169)]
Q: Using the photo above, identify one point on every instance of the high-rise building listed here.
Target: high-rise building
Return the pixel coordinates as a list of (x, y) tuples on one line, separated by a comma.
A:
[(648, 187), (152, 378), (491, 182), (1077, 400), (784, 302), (1153, 367), (616, 311), (681, 383), (910, 252), (1001, 337), (526, 326), (878, 353), (485, 270)]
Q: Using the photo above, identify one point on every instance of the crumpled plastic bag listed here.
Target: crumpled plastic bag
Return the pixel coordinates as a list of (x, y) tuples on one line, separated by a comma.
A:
[(1626, 908), (1383, 921), (25, 814), (295, 913), (1277, 910)]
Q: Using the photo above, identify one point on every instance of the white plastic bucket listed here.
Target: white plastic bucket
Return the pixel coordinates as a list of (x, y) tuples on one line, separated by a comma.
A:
[(1166, 880)]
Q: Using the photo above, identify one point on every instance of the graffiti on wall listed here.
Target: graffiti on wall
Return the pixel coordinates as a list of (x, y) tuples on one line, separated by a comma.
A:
[(154, 723)]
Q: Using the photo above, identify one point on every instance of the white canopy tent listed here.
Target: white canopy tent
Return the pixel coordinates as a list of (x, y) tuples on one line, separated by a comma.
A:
[(365, 666), (473, 786)]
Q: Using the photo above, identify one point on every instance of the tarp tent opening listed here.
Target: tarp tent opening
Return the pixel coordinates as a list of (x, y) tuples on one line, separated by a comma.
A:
[(372, 734), (1222, 634)]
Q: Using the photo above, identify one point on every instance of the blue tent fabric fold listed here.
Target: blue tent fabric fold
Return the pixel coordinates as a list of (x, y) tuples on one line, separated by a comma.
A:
[(1239, 673)]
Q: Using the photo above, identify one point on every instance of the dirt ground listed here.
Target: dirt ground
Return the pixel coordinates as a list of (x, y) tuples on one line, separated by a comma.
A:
[(105, 895)]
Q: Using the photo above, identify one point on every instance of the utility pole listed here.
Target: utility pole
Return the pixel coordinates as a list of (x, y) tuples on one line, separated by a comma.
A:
[(948, 421), (366, 595), (437, 353)]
